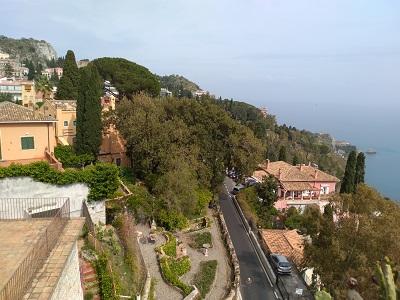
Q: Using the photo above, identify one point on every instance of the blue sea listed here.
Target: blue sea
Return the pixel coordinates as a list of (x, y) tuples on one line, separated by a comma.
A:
[(367, 125)]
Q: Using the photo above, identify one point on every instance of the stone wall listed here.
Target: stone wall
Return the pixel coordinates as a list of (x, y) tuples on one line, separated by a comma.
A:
[(97, 211), (69, 286), (26, 187)]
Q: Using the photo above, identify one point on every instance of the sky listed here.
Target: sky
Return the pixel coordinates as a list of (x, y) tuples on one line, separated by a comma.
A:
[(262, 52)]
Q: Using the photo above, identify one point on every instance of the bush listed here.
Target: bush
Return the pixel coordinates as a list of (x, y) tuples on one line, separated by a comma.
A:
[(170, 247), (174, 268), (102, 178)]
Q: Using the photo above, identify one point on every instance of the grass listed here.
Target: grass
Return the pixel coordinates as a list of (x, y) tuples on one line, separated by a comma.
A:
[(152, 289), (205, 277), (199, 239)]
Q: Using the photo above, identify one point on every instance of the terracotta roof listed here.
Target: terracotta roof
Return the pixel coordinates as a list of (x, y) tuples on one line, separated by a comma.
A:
[(285, 242), (298, 186), (11, 113), (286, 172), (64, 104)]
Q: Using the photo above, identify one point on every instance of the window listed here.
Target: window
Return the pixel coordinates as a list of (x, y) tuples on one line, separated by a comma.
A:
[(27, 142), (75, 123), (65, 123)]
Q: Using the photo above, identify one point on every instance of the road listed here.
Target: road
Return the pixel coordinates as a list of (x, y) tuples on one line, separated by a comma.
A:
[(259, 286)]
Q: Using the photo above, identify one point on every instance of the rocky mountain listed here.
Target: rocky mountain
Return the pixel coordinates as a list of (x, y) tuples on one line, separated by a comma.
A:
[(28, 49)]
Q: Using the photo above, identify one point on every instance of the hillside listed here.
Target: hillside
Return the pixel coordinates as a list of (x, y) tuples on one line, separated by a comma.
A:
[(30, 49), (178, 85)]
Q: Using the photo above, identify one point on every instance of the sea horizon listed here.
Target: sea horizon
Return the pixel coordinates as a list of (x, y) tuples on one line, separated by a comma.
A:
[(370, 126)]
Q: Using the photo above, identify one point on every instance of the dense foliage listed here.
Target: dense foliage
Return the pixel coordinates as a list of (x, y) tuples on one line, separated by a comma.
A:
[(69, 159), (182, 146), (128, 77), (68, 86), (88, 112), (286, 142), (366, 231), (348, 184), (174, 268), (102, 178), (179, 86), (105, 279)]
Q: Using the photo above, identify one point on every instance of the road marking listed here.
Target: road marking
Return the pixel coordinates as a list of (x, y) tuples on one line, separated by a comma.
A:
[(276, 296)]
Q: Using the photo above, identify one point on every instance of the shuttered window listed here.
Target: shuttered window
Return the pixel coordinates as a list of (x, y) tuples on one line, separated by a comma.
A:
[(27, 142)]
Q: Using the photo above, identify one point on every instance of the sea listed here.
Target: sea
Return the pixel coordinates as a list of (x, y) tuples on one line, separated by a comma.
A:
[(364, 125)]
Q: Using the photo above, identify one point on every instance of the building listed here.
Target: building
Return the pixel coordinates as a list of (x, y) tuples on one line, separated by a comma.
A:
[(39, 254), (164, 93), (52, 72), (65, 113), (26, 135), (21, 90), (299, 185), (264, 112)]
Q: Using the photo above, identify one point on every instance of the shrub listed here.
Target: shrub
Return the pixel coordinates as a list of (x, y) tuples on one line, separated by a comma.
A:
[(170, 247), (205, 277), (174, 268), (102, 178)]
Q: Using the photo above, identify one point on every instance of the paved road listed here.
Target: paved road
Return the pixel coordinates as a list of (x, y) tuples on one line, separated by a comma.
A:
[(259, 286)]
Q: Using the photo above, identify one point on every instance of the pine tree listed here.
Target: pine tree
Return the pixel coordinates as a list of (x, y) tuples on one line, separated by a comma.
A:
[(88, 112), (349, 174), (360, 169), (68, 86)]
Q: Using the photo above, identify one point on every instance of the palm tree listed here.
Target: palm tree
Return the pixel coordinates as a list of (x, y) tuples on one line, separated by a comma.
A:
[(43, 85)]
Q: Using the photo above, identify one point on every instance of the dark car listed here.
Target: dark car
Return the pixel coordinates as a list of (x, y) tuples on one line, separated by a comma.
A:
[(237, 188), (280, 264), (250, 181)]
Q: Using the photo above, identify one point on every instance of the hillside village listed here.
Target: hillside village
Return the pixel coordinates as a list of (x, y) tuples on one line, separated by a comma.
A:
[(81, 244)]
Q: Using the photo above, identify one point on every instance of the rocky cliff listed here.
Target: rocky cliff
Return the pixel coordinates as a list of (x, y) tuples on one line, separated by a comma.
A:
[(28, 49)]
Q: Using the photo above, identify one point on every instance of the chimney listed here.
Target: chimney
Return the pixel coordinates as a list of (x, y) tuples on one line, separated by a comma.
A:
[(280, 174), (301, 167), (309, 163), (316, 174), (267, 164)]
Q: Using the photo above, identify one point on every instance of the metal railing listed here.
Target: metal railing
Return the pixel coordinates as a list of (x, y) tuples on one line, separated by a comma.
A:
[(22, 278)]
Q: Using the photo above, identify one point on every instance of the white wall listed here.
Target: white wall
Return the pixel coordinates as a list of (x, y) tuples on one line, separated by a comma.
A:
[(25, 187), (69, 284)]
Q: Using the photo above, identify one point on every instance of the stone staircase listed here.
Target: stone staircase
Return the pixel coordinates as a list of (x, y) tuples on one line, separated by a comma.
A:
[(90, 282)]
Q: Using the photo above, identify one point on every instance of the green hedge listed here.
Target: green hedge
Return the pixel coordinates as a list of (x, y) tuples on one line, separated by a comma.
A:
[(101, 178), (105, 280), (173, 268), (204, 279), (170, 247)]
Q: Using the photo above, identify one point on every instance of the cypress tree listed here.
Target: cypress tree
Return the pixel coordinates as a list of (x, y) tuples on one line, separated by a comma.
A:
[(360, 169), (68, 85), (349, 174), (282, 153), (88, 112)]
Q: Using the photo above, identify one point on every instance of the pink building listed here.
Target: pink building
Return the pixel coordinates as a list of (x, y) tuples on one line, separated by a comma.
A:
[(299, 185)]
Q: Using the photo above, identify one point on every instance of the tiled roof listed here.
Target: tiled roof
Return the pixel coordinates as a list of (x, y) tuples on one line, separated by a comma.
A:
[(64, 104), (285, 242), (298, 186), (287, 172), (11, 112)]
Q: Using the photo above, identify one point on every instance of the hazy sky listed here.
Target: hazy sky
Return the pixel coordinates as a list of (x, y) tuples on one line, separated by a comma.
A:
[(256, 51)]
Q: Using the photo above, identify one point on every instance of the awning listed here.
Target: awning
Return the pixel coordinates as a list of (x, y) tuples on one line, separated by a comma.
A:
[(62, 141)]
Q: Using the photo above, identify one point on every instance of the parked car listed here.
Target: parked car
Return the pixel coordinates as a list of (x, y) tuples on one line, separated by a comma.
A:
[(250, 181), (280, 264), (237, 188)]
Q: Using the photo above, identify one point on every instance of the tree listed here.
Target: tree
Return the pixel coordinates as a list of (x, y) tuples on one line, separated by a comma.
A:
[(43, 86), (267, 190), (360, 169), (88, 112), (6, 97), (349, 174), (282, 153), (8, 70), (128, 77), (365, 231), (68, 85)]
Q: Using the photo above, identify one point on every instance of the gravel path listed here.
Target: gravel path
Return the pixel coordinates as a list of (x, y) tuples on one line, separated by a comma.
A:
[(218, 252)]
